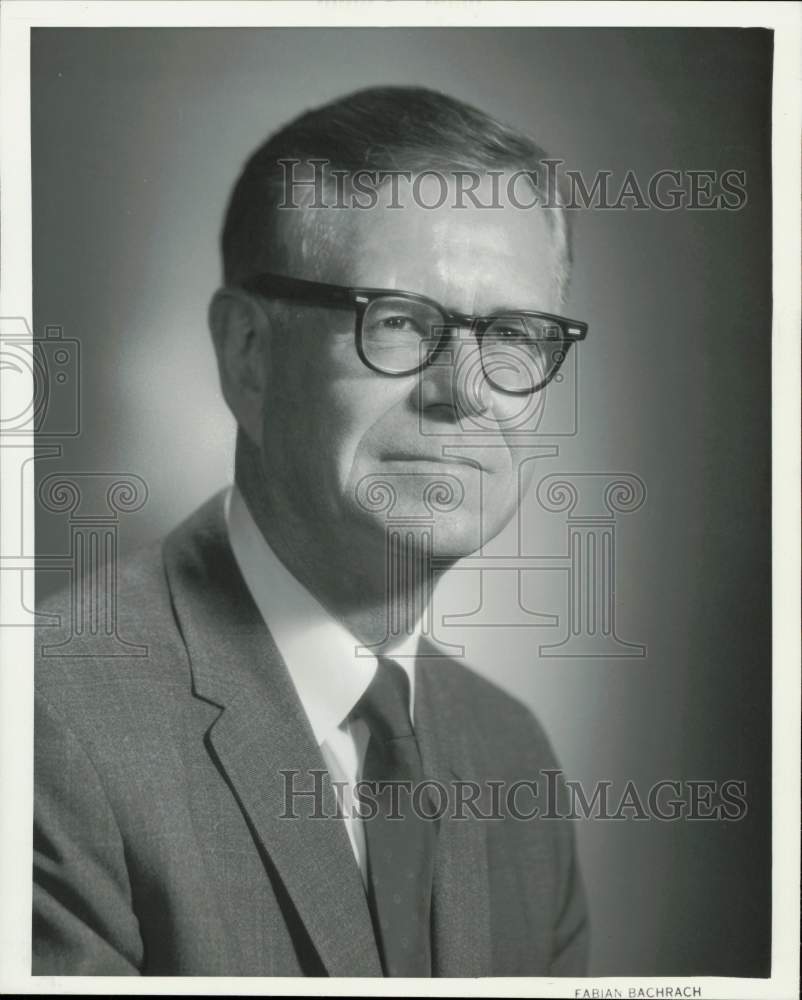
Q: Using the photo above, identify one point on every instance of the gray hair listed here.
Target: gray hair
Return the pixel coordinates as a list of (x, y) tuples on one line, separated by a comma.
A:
[(380, 129)]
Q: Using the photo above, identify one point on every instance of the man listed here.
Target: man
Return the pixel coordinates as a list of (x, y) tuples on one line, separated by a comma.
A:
[(220, 806)]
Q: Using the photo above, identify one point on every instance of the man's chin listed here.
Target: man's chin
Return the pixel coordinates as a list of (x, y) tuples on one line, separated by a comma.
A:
[(450, 548), (440, 514), (440, 537)]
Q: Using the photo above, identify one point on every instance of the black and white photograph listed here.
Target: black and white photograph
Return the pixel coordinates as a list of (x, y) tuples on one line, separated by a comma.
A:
[(400, 533)]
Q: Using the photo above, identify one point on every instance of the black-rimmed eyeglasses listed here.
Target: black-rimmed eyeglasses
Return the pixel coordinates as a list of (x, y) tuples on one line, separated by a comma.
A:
[(400, 333)]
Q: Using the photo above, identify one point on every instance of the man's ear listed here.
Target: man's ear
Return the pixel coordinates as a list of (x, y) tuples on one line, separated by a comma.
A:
[(241, 333)]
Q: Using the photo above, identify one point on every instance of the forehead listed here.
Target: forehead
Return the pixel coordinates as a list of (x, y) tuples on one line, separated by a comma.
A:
[(470, 257)]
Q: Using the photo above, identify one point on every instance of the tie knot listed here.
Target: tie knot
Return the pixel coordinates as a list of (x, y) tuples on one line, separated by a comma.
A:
[(385, 704)]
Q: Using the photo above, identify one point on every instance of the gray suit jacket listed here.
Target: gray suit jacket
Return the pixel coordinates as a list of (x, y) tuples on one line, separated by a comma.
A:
[(159, 842)]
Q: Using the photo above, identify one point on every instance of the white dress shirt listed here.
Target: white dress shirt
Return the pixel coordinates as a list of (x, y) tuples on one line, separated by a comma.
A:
[(321, 657)]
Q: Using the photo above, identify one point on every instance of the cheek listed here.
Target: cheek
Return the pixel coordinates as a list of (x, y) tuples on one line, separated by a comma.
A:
[(517, 416), (361, 415), (295, 424), (330, 423)]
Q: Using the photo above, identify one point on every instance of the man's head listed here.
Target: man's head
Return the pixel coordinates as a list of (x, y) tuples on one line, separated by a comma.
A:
[(443, 190)]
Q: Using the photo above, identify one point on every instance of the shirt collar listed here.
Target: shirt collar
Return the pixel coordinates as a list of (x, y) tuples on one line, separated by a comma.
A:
[(329, 669)]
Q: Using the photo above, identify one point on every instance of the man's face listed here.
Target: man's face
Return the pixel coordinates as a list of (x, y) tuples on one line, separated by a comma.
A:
[(333, 429)]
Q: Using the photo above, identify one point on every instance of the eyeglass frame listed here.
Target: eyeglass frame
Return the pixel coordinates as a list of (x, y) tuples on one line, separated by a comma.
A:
[(358, 298)]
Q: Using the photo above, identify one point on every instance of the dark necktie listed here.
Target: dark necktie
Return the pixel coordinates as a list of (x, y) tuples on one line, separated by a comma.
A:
[(400, 851)]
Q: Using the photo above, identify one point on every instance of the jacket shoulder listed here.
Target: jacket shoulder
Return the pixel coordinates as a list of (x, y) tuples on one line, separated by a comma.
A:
[(112, 626), (507, 727)]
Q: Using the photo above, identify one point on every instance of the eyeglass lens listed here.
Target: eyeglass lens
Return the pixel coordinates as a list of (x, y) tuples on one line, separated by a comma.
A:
[(518, 352)]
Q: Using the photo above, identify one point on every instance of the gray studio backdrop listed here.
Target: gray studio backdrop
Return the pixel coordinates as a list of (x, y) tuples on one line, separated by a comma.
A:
[(137, 137)]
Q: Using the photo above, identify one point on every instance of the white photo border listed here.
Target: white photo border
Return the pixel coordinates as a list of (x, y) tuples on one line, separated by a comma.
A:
[(16, 647)]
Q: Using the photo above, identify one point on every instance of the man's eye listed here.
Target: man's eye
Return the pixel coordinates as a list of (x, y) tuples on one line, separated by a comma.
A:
[(399, 324), (509, 333)]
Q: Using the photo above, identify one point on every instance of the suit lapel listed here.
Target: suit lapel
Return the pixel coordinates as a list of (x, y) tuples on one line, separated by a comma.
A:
[(460, 901), (261, 732)]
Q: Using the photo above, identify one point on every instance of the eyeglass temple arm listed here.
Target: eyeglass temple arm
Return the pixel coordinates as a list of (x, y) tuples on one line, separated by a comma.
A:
[(320, 293)]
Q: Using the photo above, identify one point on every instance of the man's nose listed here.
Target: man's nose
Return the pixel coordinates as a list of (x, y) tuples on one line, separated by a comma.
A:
[(455, 378)]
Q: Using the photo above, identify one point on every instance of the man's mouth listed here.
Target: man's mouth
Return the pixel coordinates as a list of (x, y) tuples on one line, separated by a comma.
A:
[(413, 458)]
